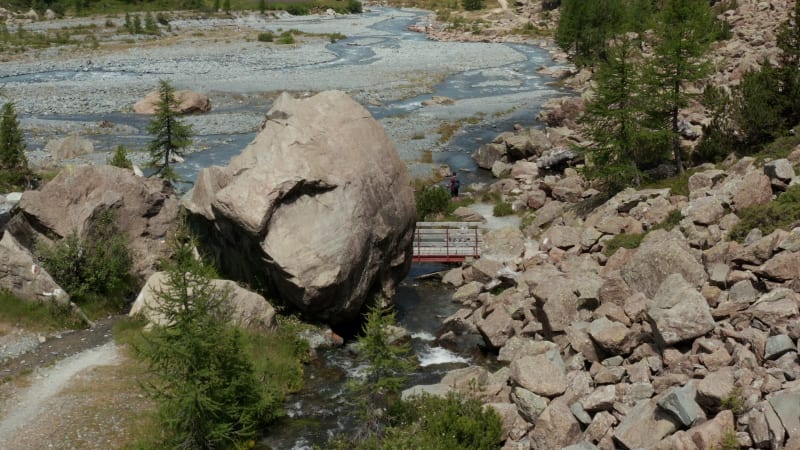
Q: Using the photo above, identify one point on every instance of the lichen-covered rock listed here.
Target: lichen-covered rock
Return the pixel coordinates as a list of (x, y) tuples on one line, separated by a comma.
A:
[(679, 312)]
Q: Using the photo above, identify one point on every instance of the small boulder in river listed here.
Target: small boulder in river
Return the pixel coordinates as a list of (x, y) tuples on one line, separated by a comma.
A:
[(188, 103), (318, 210), (69, 147)]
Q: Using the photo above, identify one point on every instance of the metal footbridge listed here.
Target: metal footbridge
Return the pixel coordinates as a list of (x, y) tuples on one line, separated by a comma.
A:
[(447, 242)]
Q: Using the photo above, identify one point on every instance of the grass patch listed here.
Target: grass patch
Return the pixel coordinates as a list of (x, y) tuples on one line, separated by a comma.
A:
[(418, 135), (734, 402), (779, 148), (634, 240), (36, 316), (502, 209), (266, 37), (783, 212), (446, 131), (678, 185)]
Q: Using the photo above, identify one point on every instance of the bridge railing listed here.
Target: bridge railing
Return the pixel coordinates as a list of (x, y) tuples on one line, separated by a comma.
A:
[(447, 241)]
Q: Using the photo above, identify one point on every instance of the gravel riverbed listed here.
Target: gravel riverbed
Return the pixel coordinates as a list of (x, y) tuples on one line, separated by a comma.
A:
[(64, 90)]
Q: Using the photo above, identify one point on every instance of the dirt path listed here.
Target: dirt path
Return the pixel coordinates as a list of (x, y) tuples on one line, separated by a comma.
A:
[(29, 403)]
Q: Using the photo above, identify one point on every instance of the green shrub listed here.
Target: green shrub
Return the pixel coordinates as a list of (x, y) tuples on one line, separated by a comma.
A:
[(734, 402), (297, 9), (335, 37), (98, 265), (286, 38), (502, 209), (623, 240), (783, 212), (120, 158), (472, 5), (354, 7), (266, 37), (431, 200), (430, 423)]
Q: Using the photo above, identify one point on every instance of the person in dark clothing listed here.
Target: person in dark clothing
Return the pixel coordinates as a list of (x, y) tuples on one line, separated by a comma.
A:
[(454, 186)]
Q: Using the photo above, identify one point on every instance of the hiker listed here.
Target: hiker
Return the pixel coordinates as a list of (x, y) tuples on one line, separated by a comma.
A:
[(454, 186)]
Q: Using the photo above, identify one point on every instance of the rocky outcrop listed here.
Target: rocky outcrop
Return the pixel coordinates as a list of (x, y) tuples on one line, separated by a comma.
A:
[(22, 275), (188, 102), (246, 308), (144, 209), (318, 210)]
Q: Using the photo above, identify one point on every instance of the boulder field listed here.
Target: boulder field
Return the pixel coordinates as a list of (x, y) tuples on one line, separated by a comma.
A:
[(318, 210), (689, 340)]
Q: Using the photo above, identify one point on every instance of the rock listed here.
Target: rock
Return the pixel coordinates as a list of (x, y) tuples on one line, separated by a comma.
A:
[(524, 170), (755, 189), (644, 426), (529, 405), (555, 427), (776, 308), (613, 337), (577, 410), (22, 276), (777, 346), (560, 303), (785, 266), (318, 209), (248, 310), (557, 158), (715, 387), (680, 402), (436, 390), (602, 399), (780, 169), (787, 406), (468, 292), (69, 147), (496, 328), (503, 244), (601, 424), (513, 425), (654, 262), (488, 154), (581, 446), (678, 312), (519, 346), (539, 375), (455, 278), (468, 215), (473, 377), (561, 236), (438, 100), (188, 102), (710, 434), (146, 210), (704, 210), (501, 169)]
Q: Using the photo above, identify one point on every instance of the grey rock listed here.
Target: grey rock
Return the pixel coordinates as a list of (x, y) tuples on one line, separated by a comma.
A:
[(248, 309), (540, 375), (496, 328), (612, 337), (580, 413), (505, 244), (22, 275), (785, 266), (555, 428), (654, 262), (778, 345), (678, 312), (488, 154), (581, 446), (436, 390), (780, 169), (69, 147), (787, 406), (715, 387), (644, 426), (602, 399), (680, 402), (743, 292), (468, 292), (501, 169), (528, 404)]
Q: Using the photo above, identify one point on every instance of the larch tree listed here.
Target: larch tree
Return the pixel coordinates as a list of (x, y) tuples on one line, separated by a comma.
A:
[(12, 143), (682, 38), (614, 119), (170, 135)]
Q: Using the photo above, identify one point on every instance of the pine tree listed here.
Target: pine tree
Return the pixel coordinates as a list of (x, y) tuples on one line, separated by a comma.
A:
[(120, 158), (586, 26), (682, 38), (205, 385), (262, 6), (614, 119), (789, 73), (170, 136), (12, 143), (226, 6), (387, 363)]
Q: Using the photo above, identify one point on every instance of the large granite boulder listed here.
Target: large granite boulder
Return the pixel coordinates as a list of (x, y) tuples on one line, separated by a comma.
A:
[(69, 147), (318, 210), (247, 309), (21, 275), (188, 102), (146, 210)]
